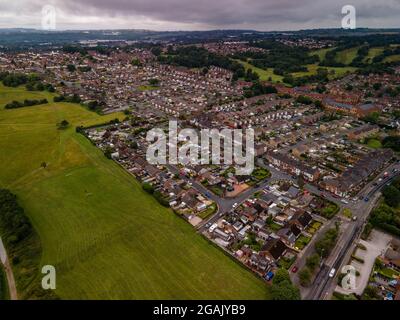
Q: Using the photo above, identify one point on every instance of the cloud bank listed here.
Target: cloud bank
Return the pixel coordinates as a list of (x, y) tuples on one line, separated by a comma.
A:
[(199, 14)]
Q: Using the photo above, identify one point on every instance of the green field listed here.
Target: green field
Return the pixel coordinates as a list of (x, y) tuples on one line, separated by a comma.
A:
[(265, 75), (321, 53), (106, 237), (372, 53), (393, 58), (334, 72)]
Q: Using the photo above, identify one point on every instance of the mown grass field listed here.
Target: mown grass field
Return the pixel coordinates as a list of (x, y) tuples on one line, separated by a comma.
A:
[(334, 72), (106, 237), (372, 53), (346, 56), (321, 53)]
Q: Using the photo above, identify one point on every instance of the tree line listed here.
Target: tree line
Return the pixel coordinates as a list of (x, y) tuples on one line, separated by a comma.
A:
[(26, 103)]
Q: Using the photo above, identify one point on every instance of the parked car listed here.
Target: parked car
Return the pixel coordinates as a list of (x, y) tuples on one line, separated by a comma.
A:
[(269, 276), (295, 269)]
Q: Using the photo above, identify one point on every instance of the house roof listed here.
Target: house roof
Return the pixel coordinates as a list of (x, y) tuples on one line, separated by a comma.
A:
[(275, 247)]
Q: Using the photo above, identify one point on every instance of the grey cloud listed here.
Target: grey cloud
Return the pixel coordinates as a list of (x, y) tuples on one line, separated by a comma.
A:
[(258, 14)]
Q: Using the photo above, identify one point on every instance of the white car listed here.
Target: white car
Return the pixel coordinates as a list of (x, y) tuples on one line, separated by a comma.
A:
[(332, 273)]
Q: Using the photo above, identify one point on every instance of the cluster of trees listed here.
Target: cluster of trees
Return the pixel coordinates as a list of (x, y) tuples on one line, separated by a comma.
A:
[(31, 81), (71, 68), (13, 79), (74, 49), (26, 103), (136, 62), (386, 53), (194, 57), (324, 246), (321, 77), (282, 288), (362, 53), (251, 75), (376, 68), (392, 142), (39, 86), (23, 247), (157, 194), (284, 59), (13, 218), (305, 275), (387, 215), (257, 89)]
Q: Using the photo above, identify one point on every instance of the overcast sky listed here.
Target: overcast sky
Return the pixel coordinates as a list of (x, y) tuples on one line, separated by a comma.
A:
[(264, 15)]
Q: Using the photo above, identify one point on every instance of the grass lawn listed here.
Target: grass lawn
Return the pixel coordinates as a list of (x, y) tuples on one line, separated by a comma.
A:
[(333, 71), (347, 56), (275, 227), (260, 174), (374, 143), (286, 263), (264, 74), (301, 242), (208, 212), (321, 53), (393, 58), (147, 88), (372, 53), (106, 237), (313, 227), (347, 213), (389, 273)]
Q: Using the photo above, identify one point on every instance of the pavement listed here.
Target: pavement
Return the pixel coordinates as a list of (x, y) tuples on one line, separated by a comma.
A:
[(12, 288)]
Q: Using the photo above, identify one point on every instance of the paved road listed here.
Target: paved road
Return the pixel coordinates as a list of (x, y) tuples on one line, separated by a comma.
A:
[(12, 289)]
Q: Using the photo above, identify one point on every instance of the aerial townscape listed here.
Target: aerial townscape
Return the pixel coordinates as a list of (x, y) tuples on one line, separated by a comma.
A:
[(78, 193)]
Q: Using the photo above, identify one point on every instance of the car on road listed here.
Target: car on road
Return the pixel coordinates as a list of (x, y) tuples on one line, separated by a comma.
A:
[(366, 199), (295, 269), (344, 201), (332, 273), (354, 218)]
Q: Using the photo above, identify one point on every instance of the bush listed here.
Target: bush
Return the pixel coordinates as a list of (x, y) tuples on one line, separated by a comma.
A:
[(148, 187), (312, 262), (305, 277), (282, 288)]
